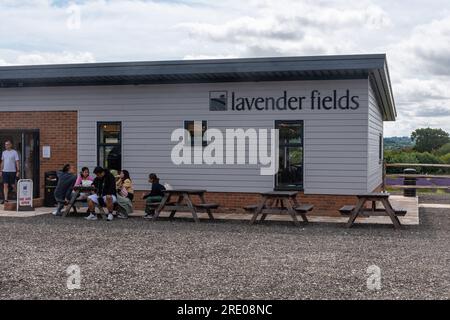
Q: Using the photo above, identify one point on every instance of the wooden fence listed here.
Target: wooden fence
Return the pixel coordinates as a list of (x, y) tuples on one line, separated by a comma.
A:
[(417, 176)]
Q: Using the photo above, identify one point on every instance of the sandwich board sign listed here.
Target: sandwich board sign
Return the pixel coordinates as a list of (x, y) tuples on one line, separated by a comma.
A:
[(25, 195)]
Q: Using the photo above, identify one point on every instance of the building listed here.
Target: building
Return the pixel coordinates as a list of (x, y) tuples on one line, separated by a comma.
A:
[(122, 115)]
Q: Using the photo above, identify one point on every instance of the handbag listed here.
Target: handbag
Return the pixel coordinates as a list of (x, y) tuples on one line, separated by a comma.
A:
[(124, 192)]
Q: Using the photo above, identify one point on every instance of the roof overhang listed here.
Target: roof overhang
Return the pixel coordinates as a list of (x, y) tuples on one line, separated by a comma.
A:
[(372, 66)]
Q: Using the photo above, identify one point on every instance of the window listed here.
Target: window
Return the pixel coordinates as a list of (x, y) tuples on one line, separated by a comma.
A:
[(380, 148), (290, 173), (189, 126), (109, 145)]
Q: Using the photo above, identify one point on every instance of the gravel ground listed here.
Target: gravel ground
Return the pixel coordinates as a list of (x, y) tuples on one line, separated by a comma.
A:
[(136, 259), (434, 198)]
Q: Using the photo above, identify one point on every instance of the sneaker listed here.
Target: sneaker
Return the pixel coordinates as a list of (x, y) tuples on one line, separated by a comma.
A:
[(110, 217), (121, 216), (56, 213), (148, 216), (91, 217), (2, 202)]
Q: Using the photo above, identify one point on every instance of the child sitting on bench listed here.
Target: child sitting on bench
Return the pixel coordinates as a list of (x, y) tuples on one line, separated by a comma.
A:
[(155, 195)]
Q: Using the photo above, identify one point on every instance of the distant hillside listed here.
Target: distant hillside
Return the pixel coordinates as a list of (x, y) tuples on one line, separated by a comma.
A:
[(393, 143)]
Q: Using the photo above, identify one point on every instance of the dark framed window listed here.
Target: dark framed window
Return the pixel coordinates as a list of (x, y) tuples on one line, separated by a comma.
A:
[(189, 126), (109, 145), (290, 172), (380, 148)]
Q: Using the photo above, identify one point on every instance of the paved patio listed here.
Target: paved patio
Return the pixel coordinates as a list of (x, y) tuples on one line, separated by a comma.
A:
[(410, 204)]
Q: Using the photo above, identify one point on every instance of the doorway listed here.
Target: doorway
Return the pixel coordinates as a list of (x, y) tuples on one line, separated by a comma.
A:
[(26, 143)]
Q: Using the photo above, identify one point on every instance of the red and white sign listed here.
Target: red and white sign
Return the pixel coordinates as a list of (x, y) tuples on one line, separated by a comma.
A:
[(24, 195)]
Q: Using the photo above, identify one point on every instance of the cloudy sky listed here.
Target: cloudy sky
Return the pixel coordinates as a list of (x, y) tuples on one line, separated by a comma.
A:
[(415, 34)]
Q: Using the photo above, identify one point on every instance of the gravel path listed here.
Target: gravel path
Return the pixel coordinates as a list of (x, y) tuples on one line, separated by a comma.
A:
[(136, 259), (435, 198)]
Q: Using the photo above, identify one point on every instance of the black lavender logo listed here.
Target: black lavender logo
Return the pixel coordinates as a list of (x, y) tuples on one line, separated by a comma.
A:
[(218, 101)]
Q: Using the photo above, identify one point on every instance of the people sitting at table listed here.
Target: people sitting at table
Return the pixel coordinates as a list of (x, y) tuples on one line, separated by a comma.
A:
[(155, 195), (84, 180), (125, 194), (124, 184), (105, 194), (63, 191)]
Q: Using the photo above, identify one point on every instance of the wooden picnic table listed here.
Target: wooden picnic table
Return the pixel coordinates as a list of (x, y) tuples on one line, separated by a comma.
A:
[(184, 203), (75, 195), (280, 202), (361, 210)]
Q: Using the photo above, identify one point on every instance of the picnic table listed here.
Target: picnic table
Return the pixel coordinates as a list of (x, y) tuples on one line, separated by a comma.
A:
[(361, 209), (75, 195), (184, 203), (279, 202)]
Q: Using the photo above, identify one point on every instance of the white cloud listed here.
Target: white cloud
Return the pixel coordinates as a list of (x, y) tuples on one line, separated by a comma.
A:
[(50, 58), (420, 70), (415, 34)]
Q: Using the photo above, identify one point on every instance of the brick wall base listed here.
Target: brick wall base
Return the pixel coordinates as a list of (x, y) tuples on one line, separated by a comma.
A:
[(324, 205)]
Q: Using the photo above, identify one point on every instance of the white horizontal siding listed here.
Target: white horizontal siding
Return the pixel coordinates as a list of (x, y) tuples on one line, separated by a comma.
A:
[(335, 148), (375, 127)]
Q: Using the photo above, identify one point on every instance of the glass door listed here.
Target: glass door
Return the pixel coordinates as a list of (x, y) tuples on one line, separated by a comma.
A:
[(290, 173), (26, 143), (30, 163)]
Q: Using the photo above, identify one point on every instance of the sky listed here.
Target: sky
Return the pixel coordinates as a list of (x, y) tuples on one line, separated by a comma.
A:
[(415, 35)]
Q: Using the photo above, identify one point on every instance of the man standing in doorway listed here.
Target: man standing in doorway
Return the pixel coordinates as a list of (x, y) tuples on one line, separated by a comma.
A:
[(10, 169)]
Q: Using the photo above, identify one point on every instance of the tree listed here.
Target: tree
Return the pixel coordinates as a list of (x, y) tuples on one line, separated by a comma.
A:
[(443, 150), (446, 158), (428, 139)]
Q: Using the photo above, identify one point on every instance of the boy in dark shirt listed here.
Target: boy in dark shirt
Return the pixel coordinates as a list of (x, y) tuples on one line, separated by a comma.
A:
[(105, 185), (155, 195)]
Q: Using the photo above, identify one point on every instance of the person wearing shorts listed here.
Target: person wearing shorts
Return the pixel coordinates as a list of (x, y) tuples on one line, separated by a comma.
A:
[(105, 195), (10, 169)]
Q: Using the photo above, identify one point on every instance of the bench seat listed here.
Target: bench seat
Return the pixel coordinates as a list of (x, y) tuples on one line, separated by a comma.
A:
[(251, 207), (400, 212), (304, 208), (346, 210), (207, 206)]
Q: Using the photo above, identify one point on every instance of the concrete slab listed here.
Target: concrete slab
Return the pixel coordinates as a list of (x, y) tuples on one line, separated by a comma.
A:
[(24, 214), (408, 203), (435, 206)]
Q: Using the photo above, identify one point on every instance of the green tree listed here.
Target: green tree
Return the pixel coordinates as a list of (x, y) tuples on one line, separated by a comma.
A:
[(443, 150), (446, 158), (428, 139)]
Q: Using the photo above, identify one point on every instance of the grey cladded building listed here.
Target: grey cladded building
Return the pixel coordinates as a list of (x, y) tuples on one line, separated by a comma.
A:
[(329, 109)]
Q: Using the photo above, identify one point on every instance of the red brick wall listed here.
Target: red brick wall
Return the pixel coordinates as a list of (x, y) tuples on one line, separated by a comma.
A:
[(234, 202), (56, 129)]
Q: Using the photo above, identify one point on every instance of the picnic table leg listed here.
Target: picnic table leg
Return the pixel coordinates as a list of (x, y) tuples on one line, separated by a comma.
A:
[(208, 211), (74, 198), (192, 208), (292, 212), (272, 203), (355, 212), (390, 211), (302, 214), (161, 206), (258, 210), (178, 203)]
